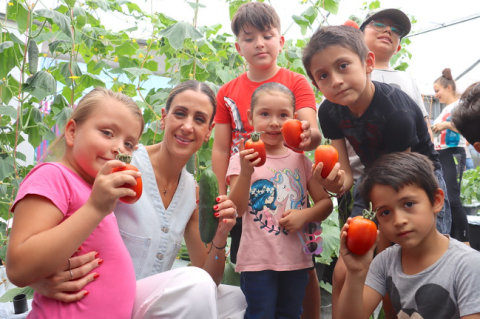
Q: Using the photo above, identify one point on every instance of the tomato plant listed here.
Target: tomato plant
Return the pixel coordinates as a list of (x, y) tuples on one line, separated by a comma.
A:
[(256, 144), (291, 131), (362, 233), (351, 23), (328, 155), (136, 188)]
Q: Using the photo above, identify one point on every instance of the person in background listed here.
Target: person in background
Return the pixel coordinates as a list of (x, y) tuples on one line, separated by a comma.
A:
[(466, 116), (451, 150)]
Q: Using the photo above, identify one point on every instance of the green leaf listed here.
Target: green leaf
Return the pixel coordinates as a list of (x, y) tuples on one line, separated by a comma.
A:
[(133, 7), (5, 45), (302, 22), (8, 296), (166, 20), (18, 12), (88, 80), (9, 111), (61, 20), (136, 72), (196, 5), (7, 60), (330, 5), (310, 14), (71, 3), (63, 116), (127, 48), (65, 71), (41, 85), (234, 5), (6, 167), (61, 46), (178, 32)]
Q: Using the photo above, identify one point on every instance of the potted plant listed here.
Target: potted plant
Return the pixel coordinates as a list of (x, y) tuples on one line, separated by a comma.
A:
[(470, 191)]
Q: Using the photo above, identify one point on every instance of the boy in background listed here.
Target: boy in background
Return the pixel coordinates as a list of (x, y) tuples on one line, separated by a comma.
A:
[(427, 274), (374, 117), (258, 39)]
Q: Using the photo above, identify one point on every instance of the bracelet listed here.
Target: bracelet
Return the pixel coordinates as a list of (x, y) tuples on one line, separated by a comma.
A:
[(219, 248), (331, 194)]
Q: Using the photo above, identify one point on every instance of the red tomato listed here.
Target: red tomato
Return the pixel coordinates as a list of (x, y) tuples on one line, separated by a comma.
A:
[(291, 131), (328, 155), (136, 188), (361, 235), (256, 144), (351, 23)]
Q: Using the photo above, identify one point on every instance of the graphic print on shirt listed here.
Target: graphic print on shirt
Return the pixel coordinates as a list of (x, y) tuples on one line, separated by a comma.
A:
[(432, 302), (238, 129), (269, 199)]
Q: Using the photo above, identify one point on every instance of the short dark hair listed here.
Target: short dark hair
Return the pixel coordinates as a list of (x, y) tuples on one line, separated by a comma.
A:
[(259, 15), (272, 87), (196, 86), (398, 170), (466, 116), (342, 35)]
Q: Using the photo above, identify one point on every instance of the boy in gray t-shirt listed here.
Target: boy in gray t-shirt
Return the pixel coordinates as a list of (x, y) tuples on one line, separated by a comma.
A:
[(427, 274)]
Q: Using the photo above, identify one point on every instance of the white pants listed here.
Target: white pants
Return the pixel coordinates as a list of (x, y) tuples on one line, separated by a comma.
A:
[(186, 293)]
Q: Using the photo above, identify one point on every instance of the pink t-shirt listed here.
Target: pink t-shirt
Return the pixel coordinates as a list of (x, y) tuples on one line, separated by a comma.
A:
[(111, 295), (277, 186)]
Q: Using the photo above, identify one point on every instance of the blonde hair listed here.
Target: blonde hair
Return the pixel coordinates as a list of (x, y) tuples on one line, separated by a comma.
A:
[(85, 107)]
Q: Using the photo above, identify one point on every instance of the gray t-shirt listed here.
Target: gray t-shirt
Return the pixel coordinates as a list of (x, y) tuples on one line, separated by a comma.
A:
[(448, 289)]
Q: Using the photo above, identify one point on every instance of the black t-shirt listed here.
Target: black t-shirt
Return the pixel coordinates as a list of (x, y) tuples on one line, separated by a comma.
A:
[(392, 122)]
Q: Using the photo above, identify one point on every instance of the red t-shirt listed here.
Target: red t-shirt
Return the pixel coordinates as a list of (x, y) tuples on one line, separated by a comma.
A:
[(233, 101)]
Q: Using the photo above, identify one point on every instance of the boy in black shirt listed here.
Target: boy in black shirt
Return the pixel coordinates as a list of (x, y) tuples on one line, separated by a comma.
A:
[(374, 117)]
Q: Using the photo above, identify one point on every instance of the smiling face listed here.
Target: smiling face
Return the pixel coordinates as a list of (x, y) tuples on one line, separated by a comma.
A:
[(91, 143), (259, 48), (382, 43), (269, 113), (441, 93), (187, 123), (342, 77), (406, 217)]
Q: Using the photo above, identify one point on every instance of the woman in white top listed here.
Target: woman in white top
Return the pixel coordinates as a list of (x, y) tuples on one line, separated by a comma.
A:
[(153, 227), (451, 148)]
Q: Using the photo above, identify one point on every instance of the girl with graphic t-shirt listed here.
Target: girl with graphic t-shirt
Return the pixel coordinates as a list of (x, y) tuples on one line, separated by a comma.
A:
[(273, 201)]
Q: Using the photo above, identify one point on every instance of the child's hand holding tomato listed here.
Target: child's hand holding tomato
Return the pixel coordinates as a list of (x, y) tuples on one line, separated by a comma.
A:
[(334, 181), (248, 160), (293, 220), (353, 262), (297, 134), (108, 187)]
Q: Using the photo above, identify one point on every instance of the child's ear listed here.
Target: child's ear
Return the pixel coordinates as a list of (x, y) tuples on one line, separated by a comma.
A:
[(476, 145), (438, 200), (207, 137), (249, 116), (238, 49), (370, 62), (70, 130), (282, 42)]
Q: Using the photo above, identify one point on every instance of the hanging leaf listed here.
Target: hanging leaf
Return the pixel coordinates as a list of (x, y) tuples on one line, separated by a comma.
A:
[(18, 12), (126, 48), (9, 111), (137, 72), (330, 5), (196, 5), (61, 20), (5, 45), (7, 58), (178, 32), (41, 85), (71, 3), (234, 5)]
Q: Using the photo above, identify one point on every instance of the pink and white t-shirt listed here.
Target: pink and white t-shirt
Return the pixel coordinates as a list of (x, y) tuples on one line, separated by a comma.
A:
[(277, 186), (112, 295)]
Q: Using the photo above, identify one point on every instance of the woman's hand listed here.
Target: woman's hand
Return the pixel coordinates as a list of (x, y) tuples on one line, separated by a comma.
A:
[(226, 212), (62, 286), (334, 182), (354, 263), (437, 128)]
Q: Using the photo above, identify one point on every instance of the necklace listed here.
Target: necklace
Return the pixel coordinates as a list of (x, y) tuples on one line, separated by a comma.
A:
[(165, 190)]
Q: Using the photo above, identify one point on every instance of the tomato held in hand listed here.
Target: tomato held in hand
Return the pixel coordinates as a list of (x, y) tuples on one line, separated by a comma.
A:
[(361, 235), (256, 144), (291, 131), (351, 23), (136, 188), (328, 155)]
